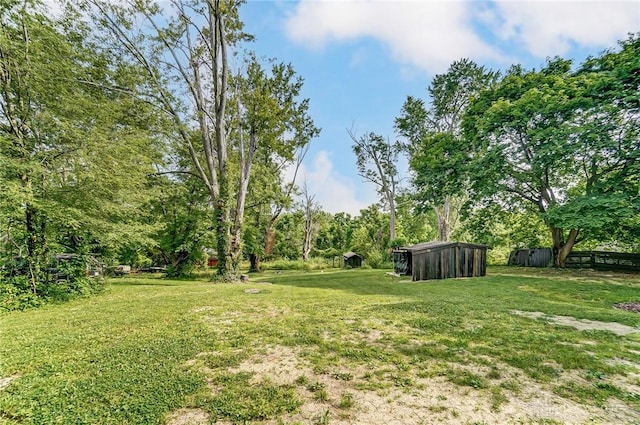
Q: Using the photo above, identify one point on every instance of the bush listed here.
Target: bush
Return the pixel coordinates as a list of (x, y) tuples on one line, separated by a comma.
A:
[(309, 265), (498, 256), (374, 259), (16, 295), (65, 279)]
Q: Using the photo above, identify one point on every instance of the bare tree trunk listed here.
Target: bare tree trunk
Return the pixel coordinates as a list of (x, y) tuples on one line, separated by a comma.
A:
[(308, 222), (218, 46), (246, 161), (392, 215), (443, 217), (306, 246)]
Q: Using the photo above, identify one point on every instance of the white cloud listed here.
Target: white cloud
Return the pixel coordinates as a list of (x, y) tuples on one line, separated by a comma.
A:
[(432, 34), (333, 191), (546, 28), (426, 34)]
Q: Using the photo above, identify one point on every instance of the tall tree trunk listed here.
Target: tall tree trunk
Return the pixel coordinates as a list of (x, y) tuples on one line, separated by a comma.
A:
[(254, 263), (270, 239), (218, 46), (443, 217), (246, 162), (308, 222), (562, 248), (306, 245), (392, 220), (35, 225), (222, 227)]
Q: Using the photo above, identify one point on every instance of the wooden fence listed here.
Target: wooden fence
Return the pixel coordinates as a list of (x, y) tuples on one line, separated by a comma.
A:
[(604, 260)]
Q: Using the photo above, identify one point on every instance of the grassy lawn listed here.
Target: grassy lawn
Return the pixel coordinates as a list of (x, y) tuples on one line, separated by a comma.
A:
[(339, 347)]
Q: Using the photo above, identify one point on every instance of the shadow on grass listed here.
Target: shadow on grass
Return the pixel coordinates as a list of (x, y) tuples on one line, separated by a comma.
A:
[(131, 282)]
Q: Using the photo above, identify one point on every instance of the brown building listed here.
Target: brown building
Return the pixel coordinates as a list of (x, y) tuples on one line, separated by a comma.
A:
[(441, 260)]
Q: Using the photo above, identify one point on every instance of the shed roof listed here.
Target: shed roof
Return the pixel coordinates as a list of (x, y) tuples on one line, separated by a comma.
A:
[(436, 245), (350, 254)]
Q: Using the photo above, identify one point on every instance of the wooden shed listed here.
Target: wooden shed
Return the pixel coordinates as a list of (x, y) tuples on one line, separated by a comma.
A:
[(351, 259), (441, 260), (531, 257)]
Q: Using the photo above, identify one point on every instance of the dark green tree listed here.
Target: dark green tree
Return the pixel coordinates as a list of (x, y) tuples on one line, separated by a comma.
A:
[(438, 155), (565, 142), (75, 146)]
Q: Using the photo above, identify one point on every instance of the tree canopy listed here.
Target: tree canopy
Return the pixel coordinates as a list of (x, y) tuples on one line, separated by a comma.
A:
[(564, 141)]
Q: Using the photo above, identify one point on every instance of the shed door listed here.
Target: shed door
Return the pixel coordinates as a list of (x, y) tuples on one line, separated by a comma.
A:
[(401, 263)]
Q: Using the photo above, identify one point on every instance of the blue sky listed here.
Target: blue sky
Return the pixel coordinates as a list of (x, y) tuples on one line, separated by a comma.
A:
[(361, 59)]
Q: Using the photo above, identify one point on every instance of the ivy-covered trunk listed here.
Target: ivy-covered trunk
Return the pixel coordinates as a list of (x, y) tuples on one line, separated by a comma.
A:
[(222, 227), (35, 224)]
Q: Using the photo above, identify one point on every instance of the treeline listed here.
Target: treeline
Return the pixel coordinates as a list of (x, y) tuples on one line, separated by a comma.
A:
[(549, 156)]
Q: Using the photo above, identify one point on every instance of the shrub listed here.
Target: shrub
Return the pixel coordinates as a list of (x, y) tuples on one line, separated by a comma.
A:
[(315, 263), (16, 295), (374, 259), (63, 280)]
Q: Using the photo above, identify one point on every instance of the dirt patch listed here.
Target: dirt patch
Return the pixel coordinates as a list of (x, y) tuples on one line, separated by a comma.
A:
[(278, 364), (430, 400), (581, 324), (635, 307), (189, 417), (4, 382)]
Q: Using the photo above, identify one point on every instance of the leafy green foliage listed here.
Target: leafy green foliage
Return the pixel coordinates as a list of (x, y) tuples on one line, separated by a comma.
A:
[(438, 155), (75, 146), (564, 142)]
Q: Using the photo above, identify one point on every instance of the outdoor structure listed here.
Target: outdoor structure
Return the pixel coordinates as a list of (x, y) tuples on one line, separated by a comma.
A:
[(531, 257), (604, 260), (351, 259), (441, 260)]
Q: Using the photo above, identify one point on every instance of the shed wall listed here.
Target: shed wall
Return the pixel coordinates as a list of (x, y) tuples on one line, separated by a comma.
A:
[(531, 257), (353, 262), (449, 262)]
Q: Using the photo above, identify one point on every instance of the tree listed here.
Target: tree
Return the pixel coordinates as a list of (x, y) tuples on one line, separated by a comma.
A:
[(560, 141), (185, 63), (437, 153), (369, 238), (182, 212), (69, 131), (272, 124), (185, 56), (376, 159), (415, 224), (310, 208)]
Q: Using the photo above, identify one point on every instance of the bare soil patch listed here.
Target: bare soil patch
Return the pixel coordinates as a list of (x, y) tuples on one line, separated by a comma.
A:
[(581, 324), (189, 417), (4, 382), (427, 401), (635, 307)]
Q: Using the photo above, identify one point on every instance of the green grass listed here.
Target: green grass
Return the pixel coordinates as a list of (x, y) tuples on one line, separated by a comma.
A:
[(147, 347)]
